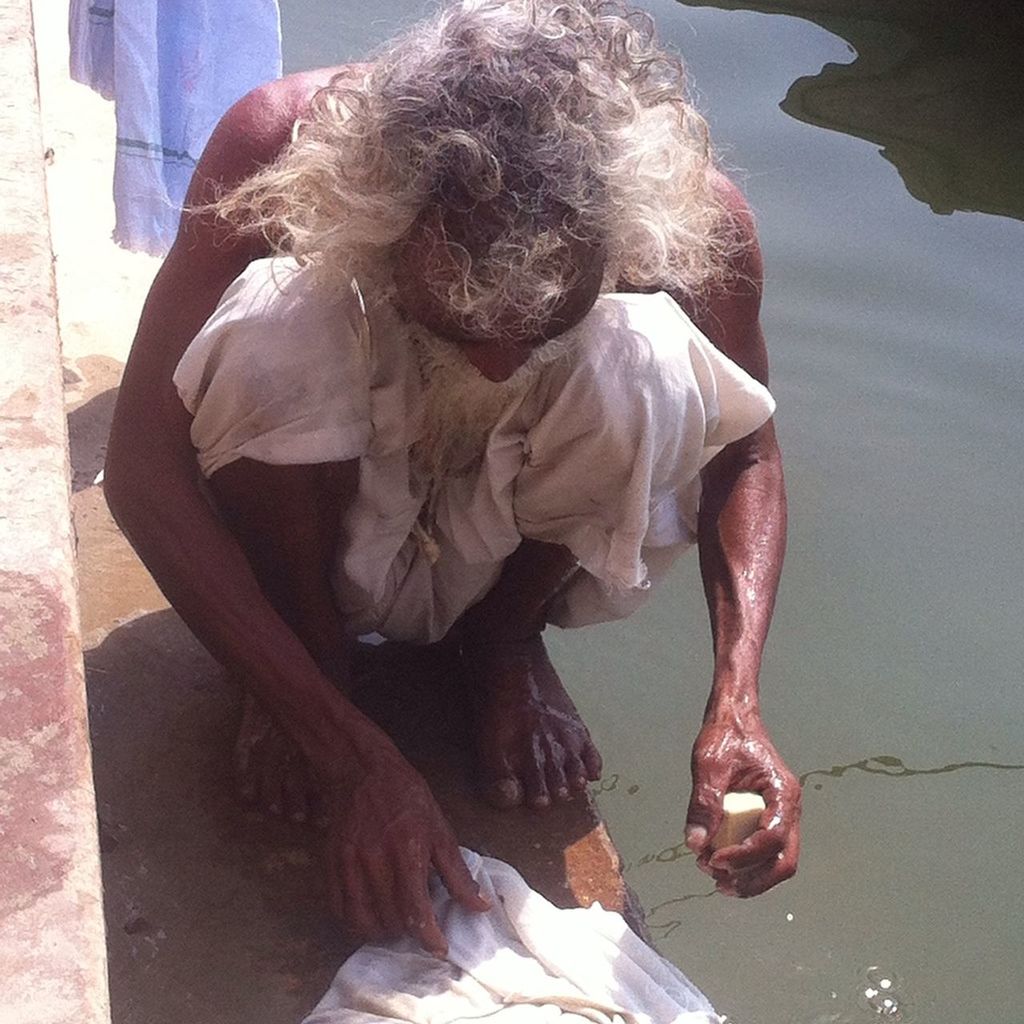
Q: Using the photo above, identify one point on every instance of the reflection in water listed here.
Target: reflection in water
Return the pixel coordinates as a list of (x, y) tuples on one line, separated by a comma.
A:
[(610, 783), (937, 86), (662, 929), (894, 768), (666, 856)]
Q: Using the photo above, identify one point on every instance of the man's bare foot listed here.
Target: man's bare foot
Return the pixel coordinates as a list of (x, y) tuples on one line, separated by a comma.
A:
[(532, 745), (270, 770)]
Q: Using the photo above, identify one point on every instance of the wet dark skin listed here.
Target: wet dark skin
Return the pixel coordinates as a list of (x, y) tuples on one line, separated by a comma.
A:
[(252, 584)]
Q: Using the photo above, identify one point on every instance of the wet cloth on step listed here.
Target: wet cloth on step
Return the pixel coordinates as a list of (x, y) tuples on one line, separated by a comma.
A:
[(601, 453), (523, 962), (172, 70)]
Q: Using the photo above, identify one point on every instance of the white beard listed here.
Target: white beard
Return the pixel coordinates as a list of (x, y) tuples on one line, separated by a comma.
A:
[(461, 406)]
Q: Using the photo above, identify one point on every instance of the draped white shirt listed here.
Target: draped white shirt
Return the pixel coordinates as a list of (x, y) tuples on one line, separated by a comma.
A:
[(602, 452)]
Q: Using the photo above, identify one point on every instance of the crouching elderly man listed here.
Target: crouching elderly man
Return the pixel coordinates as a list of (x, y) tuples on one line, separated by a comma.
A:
[(419, 364)]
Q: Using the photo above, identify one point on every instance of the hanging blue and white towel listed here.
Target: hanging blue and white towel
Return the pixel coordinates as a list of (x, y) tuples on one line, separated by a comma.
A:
[(172, 67)]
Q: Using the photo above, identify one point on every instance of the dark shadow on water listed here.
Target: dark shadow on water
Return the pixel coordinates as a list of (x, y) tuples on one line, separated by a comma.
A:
[(938, 85)]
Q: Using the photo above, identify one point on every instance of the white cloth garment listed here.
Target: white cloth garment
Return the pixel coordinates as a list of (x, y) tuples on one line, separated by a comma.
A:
[(602, 453), (172, 67), (523, 962)]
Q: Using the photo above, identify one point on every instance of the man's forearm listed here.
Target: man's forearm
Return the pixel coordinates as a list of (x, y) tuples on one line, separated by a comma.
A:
[(742, 540), (205, 575)]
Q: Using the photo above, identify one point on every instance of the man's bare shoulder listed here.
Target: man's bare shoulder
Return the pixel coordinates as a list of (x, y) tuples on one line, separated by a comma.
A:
[(728, 312), (250, 136), (273, 108), (746, 265), (256, 129)]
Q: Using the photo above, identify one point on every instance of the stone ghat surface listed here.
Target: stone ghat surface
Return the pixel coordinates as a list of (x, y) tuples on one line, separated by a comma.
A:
[(213, 913), (52, 964)]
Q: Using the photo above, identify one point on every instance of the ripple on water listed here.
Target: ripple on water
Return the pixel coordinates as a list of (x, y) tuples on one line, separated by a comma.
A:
[(883, 995)]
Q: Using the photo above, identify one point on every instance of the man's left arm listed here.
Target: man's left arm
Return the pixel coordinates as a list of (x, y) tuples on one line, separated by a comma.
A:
[(742, 540)]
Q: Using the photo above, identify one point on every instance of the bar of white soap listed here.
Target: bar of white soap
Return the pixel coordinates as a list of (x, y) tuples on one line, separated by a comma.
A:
[(741, 813)]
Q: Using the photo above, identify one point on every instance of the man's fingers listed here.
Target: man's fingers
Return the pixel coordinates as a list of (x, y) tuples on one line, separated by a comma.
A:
[(703, 816), (378, 872), (457, 878), (787, 861), (415, 906), (765, 875), (296, 790), (696, 839), (756, 882), (318, 811), (763, 846), (724, 882), (360, 913), (764, 859), (335, 895), (246, 775), (271, 793)]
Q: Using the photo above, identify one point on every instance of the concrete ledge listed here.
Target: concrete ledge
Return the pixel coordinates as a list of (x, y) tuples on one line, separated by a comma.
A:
[(52, 958)]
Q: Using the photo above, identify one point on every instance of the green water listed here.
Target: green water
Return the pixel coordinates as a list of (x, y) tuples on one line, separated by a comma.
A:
[(894, 674)]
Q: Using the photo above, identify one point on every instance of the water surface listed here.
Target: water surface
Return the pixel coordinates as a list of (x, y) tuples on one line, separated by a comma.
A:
[(893, 678)]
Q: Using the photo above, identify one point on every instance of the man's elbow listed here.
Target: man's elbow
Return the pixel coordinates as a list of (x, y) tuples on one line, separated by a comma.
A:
[(120, 485), (136, 474), (757, 451)]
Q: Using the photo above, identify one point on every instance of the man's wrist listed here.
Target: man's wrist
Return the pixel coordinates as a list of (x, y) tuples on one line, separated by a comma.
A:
[(734, 698), (339, 741)]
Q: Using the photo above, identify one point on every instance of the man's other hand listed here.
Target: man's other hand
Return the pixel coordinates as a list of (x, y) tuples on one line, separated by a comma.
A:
[(730, 756), (386, 835)]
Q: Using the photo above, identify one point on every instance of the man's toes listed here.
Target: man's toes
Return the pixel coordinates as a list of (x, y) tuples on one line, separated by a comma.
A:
[(318, 811), (271, 793), (591, 761), (247, 786), (504, 793), (535, 781), (539, 799), (295, 790), (558, 786), (247, 781), (575, 774)]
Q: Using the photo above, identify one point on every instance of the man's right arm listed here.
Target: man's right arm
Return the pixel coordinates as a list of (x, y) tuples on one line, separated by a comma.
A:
[(151, 479), (152, 487)]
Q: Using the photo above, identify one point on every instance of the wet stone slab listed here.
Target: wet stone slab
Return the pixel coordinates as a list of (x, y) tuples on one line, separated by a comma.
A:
[(219, 914)]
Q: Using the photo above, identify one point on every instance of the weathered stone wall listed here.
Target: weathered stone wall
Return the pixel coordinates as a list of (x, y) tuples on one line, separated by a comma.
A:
[(52, 961)]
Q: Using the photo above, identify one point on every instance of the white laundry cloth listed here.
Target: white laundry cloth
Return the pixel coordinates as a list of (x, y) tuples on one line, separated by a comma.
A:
[(172, 67), (523, 962), (602, 453)]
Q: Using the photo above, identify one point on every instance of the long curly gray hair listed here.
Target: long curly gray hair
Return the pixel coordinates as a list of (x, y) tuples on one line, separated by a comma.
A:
[(529, 126)]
